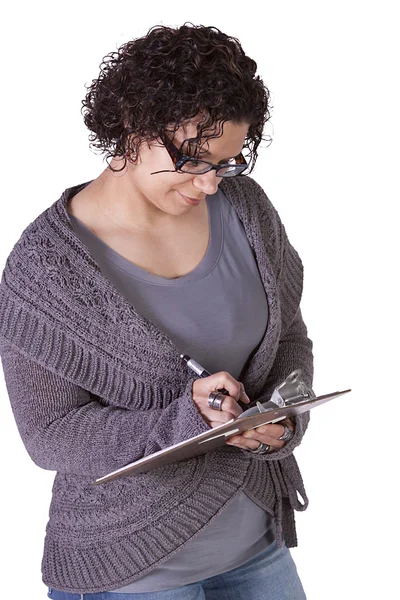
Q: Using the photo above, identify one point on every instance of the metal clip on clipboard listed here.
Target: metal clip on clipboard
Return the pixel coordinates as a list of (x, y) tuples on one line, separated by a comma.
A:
[(291, 391)]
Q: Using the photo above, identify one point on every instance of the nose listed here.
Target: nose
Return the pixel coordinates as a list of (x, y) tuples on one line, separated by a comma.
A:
[(207, 182)]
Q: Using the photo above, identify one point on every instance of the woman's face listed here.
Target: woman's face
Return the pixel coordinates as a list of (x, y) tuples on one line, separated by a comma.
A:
[(169, 192)]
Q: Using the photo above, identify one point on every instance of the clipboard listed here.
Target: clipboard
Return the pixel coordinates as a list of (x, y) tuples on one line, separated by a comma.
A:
[(216, 437)]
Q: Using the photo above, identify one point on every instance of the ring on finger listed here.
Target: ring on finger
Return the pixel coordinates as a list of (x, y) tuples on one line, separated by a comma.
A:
[(215, 400), (262, 449), (287, 434)]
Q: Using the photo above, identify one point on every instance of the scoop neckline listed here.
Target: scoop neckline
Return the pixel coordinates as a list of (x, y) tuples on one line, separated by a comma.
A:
[(207, 263)]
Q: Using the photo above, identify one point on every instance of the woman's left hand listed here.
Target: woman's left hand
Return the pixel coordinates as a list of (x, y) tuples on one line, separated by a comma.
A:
[(267, 434)]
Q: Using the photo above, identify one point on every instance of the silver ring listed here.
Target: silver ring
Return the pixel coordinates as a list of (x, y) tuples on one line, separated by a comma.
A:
[(211, 397), (262, 449), (215, 400), (287, 434)]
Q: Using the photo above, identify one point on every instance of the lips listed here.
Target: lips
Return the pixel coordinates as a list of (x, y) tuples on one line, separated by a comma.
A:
[(191, 201), (194, 199)]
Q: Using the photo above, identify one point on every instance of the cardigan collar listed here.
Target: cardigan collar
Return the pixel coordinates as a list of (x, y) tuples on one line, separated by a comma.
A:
[(60, 309)]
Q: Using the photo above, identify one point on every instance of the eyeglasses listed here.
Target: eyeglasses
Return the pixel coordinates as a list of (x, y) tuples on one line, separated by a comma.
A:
[(186, 164)]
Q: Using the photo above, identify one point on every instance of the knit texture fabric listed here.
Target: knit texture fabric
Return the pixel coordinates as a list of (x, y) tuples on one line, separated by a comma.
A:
[(93, 386)]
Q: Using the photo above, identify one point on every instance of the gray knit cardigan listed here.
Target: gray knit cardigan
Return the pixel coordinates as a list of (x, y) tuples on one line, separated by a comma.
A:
[(93, 386)]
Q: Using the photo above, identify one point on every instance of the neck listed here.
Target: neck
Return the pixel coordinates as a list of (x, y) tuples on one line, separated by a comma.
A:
[(116, 198)]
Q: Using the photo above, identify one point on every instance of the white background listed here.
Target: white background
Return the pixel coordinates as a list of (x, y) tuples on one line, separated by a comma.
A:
[(332, 171)]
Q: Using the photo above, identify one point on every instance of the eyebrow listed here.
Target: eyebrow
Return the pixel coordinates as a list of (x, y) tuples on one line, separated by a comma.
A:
[(207, 153)]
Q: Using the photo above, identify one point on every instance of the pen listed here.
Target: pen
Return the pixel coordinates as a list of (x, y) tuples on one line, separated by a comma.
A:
[(199, 370), (194, 366)]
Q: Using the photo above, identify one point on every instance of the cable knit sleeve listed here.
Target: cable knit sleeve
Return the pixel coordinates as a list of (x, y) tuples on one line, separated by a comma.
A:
[(295, 348), (68, 429), (281, 266), (294, 352)]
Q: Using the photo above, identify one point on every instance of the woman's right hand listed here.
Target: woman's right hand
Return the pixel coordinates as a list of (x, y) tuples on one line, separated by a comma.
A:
[(230, 408)]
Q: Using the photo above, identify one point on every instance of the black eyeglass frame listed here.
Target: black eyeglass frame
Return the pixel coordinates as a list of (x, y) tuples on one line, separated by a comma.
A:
[(180, 159)]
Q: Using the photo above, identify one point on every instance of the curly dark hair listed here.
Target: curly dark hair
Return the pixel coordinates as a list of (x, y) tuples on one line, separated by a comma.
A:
[(170, 76)]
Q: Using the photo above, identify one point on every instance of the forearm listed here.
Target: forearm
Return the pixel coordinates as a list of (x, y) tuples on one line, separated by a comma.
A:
[(65, 428)]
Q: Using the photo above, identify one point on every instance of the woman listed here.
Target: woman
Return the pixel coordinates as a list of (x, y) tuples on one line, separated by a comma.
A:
[(171, 250)]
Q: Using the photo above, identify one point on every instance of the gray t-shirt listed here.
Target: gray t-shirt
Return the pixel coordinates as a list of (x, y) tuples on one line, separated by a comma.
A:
[(217, 314)]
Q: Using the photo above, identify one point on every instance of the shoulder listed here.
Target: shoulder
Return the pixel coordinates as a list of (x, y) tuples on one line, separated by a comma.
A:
[(246, 190), (33, 242), (252, 204), (43, 265), (260, 219), (48, 235), (266, 233)]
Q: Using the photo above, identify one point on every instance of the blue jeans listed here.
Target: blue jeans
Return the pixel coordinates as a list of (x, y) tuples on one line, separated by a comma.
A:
[(270, 575)]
